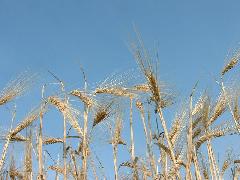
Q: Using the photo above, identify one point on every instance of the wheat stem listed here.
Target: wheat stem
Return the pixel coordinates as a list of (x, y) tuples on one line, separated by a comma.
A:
[(115, 149), (190, 137), (40, 160), (85, 142), (196, 164), (131, 131), (152, 161), (167, 136)]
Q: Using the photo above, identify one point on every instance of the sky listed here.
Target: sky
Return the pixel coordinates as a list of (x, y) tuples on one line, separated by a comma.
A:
[(193, 39)]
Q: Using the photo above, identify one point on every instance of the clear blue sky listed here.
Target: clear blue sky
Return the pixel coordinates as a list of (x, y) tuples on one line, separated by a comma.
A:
[(193, 38)]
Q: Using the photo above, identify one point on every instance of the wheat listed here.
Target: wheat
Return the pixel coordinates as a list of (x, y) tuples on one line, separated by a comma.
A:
[(16, 87), (32, 116), (144, 61), (48, 141), (103, 111), (83, 97), (233, 61), (141, 88), (14, 172), (18, 138), (208, 136), (28, 158), (56, 168), (68, 112), (179, 148), (219, 109), (115, 141), (116, 91)]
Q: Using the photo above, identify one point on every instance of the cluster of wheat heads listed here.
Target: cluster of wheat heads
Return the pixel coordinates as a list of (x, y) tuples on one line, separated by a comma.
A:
[(174, 149)]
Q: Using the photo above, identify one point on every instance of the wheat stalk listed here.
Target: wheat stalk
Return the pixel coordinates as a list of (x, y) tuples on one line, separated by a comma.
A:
[(28, 158), (115, 142), (144, 61)]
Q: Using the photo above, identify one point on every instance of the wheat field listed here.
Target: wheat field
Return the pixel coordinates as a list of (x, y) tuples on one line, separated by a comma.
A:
[(179, 148)]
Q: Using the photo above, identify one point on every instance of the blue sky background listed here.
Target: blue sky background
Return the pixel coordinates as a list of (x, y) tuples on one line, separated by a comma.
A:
[(193, 40)]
